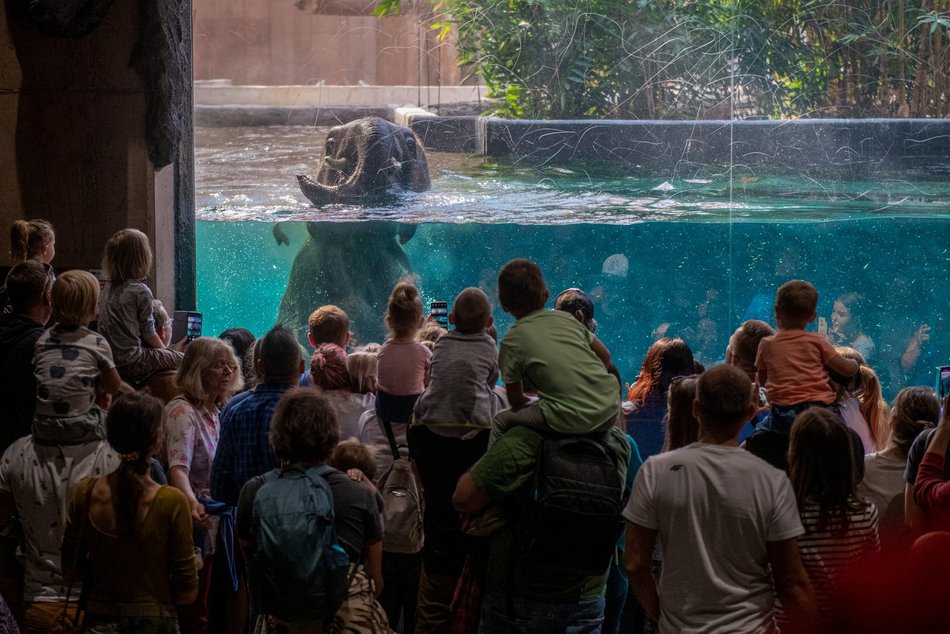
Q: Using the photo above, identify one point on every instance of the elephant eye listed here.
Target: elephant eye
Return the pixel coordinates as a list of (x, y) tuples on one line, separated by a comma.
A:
[(411, 144)]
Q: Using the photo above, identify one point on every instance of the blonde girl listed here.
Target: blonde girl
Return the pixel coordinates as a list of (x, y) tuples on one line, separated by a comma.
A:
[(32, 240), (403, 367), (126, 317)]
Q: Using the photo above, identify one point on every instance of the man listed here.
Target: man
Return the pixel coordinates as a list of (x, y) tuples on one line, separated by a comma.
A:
[(523, 594), (244, 449), (28, 288), (723, 517)]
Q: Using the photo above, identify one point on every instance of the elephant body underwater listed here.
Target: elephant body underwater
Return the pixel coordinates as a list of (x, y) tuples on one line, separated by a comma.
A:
[(355, 264)]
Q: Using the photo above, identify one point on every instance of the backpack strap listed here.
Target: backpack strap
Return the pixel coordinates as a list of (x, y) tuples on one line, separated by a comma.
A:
[(393, 447)]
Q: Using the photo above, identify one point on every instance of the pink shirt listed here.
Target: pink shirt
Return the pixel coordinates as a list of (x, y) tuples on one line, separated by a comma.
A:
[(795, 362), (403, 368)]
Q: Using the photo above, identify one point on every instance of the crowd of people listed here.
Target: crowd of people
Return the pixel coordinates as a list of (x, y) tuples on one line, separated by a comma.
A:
[(448, 479)]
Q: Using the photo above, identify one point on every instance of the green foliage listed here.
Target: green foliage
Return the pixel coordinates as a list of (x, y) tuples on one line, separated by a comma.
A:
[(704, 58)]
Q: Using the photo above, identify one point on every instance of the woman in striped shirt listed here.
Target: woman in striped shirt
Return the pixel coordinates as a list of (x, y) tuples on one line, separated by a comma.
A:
[(840, 527)]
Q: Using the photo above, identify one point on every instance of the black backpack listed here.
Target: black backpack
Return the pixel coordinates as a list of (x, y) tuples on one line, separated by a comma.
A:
[(573, 516)]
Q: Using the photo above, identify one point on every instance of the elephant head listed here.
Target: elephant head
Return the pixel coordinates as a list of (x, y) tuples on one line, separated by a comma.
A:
[(367, 159)]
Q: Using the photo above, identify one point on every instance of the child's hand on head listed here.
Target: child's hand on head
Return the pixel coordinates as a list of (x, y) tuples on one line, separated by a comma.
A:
[(356, 474)]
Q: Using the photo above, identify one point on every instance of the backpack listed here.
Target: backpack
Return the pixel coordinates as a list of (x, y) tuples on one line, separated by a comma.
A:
[(402, 502), (573, 517), (300, 564)]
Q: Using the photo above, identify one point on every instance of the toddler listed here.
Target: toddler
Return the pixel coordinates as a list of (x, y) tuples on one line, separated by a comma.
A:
[(327, 324), (554, 355), (126, 317), (403, 366), (72, 364), (793, 364), (460, 398)]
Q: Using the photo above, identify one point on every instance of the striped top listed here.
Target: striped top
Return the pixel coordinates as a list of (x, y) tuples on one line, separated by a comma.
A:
[(826, 555)]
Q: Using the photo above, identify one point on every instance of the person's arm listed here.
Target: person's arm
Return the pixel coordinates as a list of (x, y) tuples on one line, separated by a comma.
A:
[(374, 564), (914, 347), (181, 553), (516, 395), (153, 341), (844, 367), (931, 490), (109, 381), (468, 498), (637, 561), (792, 585), (601, 351), (178, 478)]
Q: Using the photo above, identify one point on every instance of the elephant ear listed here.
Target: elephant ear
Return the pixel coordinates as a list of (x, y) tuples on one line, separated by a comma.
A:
[(419, 180), (280, 236)]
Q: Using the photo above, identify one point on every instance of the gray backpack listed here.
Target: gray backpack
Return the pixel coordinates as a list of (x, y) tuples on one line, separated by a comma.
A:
[(402, 502)]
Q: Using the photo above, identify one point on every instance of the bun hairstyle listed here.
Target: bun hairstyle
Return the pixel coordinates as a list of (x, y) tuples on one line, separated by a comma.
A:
[(404, 310), (328, 367), (133, 429), (28, 237)]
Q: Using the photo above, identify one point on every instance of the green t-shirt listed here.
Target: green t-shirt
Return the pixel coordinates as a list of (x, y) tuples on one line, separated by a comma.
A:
[(506, 472), (550, 352)]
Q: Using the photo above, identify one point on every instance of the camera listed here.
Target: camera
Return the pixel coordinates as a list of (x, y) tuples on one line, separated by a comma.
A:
[(186, 324), (440, 311)]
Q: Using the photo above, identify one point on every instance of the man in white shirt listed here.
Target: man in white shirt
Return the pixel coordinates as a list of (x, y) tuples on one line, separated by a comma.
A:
[(722, 516)]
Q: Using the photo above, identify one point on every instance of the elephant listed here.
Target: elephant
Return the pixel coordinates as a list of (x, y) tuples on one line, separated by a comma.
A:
[(355, 264), (365, 160)]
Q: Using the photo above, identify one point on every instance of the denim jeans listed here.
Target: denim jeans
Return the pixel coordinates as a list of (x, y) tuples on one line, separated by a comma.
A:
[(531, 617)]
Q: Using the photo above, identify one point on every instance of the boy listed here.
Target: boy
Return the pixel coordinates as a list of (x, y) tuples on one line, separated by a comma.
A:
[(553, 355), (327, 324), (793, 364)]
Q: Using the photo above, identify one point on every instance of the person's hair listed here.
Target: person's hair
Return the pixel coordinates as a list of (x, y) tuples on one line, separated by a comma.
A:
[(745, 341), (304, 427), (75, 295), (856, 306), (914, 409), (362, 366), (404, 310), (328, 367), (352, 454), (796, 301), (279, 355), (821, 467), (127, 256), (328, 324), (159, 314), (27, 237), (865, 386), (667, 358), (577, 303), (430, 332), (471, 311), (521, 288), (133, 429), (27, 283), (680, 426), (250, 359), (723, 396), (240, 339), (200, 355)]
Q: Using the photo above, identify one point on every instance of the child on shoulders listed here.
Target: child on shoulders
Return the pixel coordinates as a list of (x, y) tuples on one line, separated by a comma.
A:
[(555, 356), (403, 370), (793, 364), (126, 317), (73, 364)]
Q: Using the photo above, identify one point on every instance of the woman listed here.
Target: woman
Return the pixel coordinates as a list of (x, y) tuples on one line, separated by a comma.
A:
[(846, 327), (914, 410), (137, 533), (331, 378), (861, 403), (646, 399), (840, 527), (208, 376), (303, 433), (681, 427)]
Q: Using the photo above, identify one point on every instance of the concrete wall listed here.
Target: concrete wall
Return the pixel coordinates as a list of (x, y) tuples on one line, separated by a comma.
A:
[(272, 42), (72, 143)]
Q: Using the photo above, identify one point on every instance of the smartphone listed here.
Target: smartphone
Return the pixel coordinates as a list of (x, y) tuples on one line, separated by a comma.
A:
[(822, 326), (942, 383), (440, 310), (186, 324)]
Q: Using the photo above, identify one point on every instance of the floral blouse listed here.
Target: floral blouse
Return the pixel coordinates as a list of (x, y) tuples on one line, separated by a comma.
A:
[(191, 438)]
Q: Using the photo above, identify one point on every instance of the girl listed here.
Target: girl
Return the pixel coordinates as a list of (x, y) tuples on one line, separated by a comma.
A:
[(125, 310), (328, 370), (681, 426), (403, 370), (32, 240), (137, 532), (840, 527)]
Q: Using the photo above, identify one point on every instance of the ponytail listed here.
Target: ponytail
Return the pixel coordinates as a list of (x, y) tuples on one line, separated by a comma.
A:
[(27, 237), (128, 491)]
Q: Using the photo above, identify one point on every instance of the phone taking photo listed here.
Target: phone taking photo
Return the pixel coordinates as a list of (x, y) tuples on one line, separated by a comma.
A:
[(440, 310), (942, 384), (186, 324)]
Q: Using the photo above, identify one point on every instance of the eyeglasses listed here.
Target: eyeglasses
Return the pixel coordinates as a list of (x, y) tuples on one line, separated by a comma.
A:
[(224, 366)]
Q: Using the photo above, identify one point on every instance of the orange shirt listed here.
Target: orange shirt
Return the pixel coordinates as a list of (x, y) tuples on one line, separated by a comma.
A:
[(795, 362)]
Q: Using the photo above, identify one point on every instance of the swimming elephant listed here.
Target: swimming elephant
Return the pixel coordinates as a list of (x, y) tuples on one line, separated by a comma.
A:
[(367, 159), (355, 264)]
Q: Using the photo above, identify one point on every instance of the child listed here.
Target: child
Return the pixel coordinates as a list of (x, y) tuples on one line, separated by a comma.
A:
[(32, 240), (357, 461), (554, 355), (793, 364), (72, 363), (125, 310), (327, 324), (403, 370)]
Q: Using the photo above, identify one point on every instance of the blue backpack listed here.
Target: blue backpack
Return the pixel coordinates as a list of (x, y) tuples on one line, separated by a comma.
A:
[(300, 566)]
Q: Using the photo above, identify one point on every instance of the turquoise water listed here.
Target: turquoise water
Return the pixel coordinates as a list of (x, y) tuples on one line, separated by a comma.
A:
[(698, 251)]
